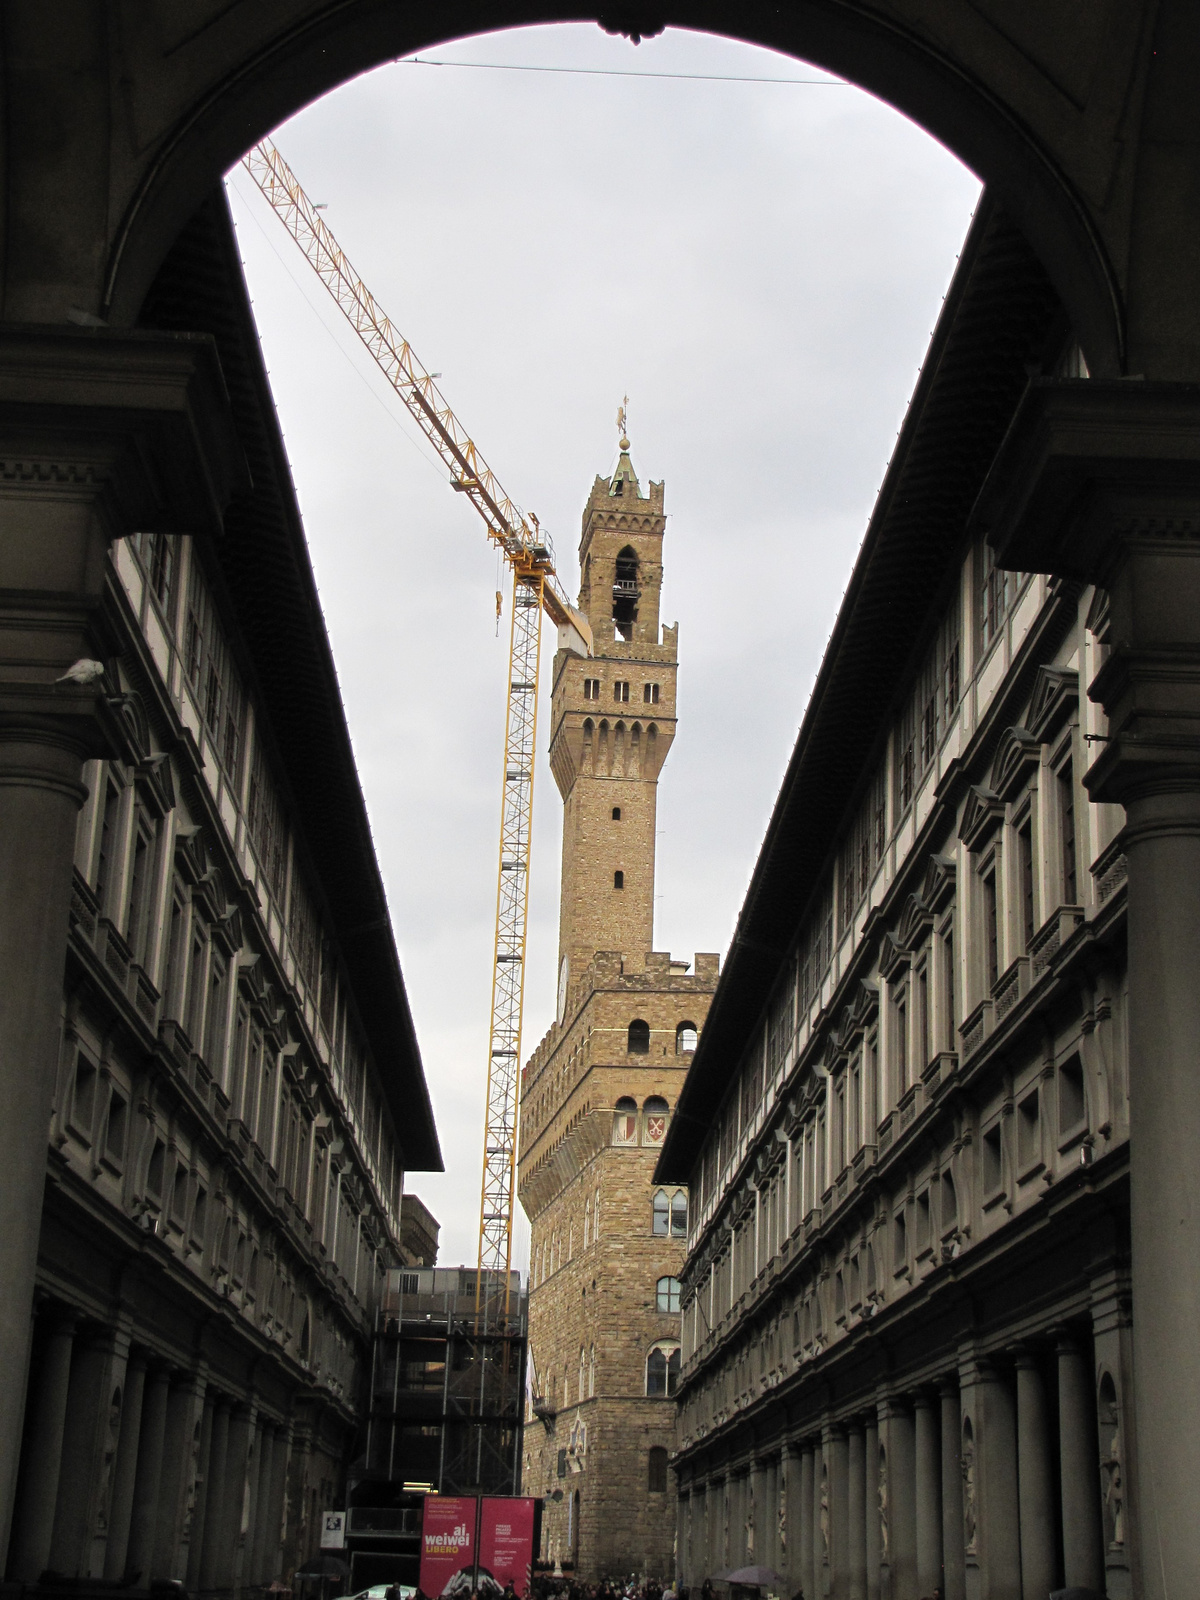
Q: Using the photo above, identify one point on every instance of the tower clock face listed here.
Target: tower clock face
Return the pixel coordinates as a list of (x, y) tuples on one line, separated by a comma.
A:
[(564, 973)]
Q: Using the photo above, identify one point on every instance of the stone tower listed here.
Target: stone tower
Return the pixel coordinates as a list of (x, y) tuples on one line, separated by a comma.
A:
[(597, 1093), (612, 721)]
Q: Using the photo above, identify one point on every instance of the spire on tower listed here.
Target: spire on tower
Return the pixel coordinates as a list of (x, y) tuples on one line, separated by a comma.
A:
[(622, 409)]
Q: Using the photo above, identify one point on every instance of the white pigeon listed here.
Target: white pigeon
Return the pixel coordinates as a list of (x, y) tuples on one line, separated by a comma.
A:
[(83, 672)]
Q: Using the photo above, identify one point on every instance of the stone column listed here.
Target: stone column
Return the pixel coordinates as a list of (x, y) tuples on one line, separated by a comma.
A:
[(1039, 1562), (771, 1551), (283, 1446), (237, 1465), (262, 1508), (179, 1463), (106, 434), (927, 1431), (954, 1566), (896, 1426), (214, 1519), (793, 1516), (244, 1572), (689, 1563), (820, 1538), (124, 1474), (838, 1493), (1083, 1560), (143, 1524), (33, 1528), (856, 1504), (200, 1502), (734, 1546), (805, 1565), (998, 1536), (90, 1431), (874, 1552), (1101, 482), (756, 1483), (715, 1504)]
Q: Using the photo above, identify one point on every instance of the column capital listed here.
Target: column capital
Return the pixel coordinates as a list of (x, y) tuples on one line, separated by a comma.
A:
[(892, 1405), (1024, 1356), (1100, 481), (1086, 465), (102, 433), (92, 417)]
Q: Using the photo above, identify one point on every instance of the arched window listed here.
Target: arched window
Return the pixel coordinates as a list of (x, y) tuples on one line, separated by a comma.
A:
[(661, 1214), (625, 592), (616, 814), (624, 1129), (639, 1038), (685, 1038), (591, 1372), (582, 1369), (679, 1215), (655, 1123), (667, 1294), (587, 1224), (656, 1476), (662, 1370)]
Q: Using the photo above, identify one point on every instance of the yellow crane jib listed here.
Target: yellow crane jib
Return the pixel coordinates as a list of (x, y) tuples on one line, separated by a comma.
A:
[(530, 554)]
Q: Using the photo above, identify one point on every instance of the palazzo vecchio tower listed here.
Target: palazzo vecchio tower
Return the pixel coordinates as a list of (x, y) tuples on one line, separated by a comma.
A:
[(598, 1092)]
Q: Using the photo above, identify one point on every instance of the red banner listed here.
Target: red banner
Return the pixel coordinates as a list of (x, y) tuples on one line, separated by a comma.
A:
[(448, 1545), (506, 1542)]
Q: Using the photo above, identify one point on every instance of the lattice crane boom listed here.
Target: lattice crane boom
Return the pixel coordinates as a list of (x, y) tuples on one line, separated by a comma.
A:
[(535, 589)]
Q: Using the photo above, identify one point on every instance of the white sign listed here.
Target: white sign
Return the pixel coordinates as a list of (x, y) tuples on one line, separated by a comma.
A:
[(333, 1530)]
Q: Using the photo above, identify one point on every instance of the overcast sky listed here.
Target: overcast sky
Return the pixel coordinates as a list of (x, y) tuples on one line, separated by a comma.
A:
[(758, 266)]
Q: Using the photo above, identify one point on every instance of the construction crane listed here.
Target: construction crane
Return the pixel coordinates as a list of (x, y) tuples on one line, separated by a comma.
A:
[(536, 588)]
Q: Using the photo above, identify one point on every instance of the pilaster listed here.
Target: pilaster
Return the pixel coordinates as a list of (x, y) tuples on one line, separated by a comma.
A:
[(1101, 481), (101, 434)]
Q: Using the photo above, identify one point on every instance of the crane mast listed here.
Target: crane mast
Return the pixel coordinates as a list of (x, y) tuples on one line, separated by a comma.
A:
[(536, 588)]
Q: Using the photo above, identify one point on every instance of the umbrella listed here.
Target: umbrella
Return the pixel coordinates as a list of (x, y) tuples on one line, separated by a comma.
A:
[(323, 1566), (756, 1578)]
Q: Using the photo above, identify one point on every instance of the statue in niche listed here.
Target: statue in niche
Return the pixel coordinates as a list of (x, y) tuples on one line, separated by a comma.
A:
[(824, 1519), (112, 1435), (782, 1509), (193, 1484), (1111, 1472), (750, 1522), (883, 1504), (968, 1478), (1114, 1495)]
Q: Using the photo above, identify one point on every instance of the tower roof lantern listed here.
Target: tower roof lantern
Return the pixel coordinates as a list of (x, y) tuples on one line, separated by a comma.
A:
[(624, 475)]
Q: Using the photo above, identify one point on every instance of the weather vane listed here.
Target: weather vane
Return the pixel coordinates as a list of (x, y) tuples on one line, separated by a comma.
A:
[(621, 409)]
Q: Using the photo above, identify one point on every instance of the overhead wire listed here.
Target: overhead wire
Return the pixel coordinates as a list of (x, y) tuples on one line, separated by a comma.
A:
[(617, 72)]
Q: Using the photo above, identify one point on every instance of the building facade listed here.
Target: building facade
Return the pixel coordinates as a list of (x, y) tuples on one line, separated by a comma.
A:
[(238, 1090), (907, 1336), (598, 1092)]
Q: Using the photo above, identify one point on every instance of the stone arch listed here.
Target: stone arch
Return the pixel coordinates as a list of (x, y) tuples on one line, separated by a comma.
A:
[(1035, 107)]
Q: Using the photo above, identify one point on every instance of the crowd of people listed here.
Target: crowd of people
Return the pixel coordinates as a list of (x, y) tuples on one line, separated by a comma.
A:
[(544, 1587)]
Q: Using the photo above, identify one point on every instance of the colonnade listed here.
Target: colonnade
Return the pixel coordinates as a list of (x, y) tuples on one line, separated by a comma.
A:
[(997, 1466), (136, 1468)]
